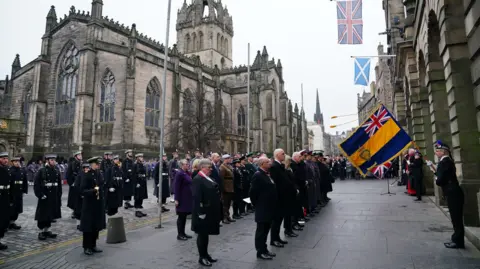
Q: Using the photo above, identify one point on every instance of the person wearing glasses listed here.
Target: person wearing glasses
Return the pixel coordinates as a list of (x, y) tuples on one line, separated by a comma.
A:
[(206, 210)]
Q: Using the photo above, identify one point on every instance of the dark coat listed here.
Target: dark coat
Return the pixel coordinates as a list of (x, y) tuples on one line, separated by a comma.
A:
[(299, 173), (206, 201), (18, 187), (291, 207), (93, 210), (183, 192), (283, 185), (416, 172), (105, 166), (73, 170), (140, 181), (114, 179), (325, 178), (446, 176), (263, 195), (172, 170), (4, 198), (79, 204), (128, 186), (165, 183), (215, 175), (48, 183)]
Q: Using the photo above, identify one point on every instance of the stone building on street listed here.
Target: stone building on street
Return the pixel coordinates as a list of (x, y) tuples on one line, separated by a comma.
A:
[(436, 77), (96, 86)]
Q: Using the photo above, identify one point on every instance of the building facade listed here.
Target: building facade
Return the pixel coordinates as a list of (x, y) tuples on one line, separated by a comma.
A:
[(436, 83), (383, 82), (366, 102), (317, 127), (96, 86)]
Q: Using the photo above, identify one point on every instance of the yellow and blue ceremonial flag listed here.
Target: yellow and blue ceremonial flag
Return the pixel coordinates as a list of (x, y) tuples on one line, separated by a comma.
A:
[(378, 140)]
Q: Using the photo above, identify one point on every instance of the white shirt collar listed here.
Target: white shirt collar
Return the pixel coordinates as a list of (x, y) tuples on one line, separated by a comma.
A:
[(205, 176), (443, 157), (278, 161)]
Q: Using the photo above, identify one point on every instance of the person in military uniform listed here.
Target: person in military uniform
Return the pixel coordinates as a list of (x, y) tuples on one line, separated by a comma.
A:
[(77, 184), (128, 187), (4, 196), (165, 187), (140, 184), (237, 189), (114, 187), (312, 201), (73, 169), (93, 210), (227, 193), (172, 169), (251, 168), (447, 179), (47, 187), (245, 184), (106, 163), (18, 187)]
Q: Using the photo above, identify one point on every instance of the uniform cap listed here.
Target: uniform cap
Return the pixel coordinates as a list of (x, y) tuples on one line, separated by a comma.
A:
[(440, 145), (15, 159), (108, 153), (138, 155), (85, 165), (77, 153), (128, 151), (116, 157), (226, 156), (3, 154), (235, 161), (250, 154), (50, 156), (94, 159), (241, 158)]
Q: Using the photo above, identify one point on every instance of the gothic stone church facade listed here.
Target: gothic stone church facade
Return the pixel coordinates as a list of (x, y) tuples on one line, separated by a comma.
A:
[(96, 86)]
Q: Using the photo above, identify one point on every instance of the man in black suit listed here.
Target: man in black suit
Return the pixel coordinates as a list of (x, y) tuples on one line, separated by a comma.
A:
[(279, 176), (263, 195)]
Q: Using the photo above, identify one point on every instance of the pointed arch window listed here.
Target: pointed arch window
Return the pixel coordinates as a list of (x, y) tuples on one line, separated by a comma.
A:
[(226, 119), (194, 43), (187, 43), (152, 104), (201, 41), (107, 97), (269, 105), (188, 110), (241, 121), (67, 87), (26, 106)]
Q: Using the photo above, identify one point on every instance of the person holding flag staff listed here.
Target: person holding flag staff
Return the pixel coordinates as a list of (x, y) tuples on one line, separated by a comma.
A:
[(447, 179)]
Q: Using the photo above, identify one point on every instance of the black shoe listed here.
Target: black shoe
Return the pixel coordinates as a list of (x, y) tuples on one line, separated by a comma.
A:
[(236, 217), (54, 220), (205, 262), (454, 245), (143, 214), (291, 234), (283, 241), (97, 250), (243, 214), (42, 236), (210, 259), (88, 252), (225, 221), (182, 238), (127, 205), (188, 236), (138, 214), (231, 220), (277, 244), (50, 235), (3, 246), (264, 256), (164, 209), (418, 199), (14, 226), (271, 254)]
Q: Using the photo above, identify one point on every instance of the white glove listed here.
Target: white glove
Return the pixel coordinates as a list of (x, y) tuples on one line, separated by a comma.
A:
[(298, 191), (44, 197), (111, 189), (158, 185), (138, 185), (128, 180), (408, 162), (429, 163), (202, 216)]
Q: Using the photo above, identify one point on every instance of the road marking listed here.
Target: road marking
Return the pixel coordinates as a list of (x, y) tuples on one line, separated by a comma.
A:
[(128, 227)]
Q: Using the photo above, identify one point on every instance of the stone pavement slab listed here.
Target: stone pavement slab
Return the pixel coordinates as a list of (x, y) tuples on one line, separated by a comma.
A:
[(359, 229)]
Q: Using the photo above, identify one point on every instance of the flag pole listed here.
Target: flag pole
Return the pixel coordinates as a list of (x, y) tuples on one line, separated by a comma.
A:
[(248, 100), (162, 118), (376, 56)]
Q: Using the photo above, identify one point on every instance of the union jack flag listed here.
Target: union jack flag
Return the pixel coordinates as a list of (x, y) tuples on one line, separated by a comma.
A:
[(376, 121), (380, 170), (350, 22)]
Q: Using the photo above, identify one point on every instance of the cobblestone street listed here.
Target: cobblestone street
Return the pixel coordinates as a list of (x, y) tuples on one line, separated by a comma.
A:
[(24, 241), (359, 229)]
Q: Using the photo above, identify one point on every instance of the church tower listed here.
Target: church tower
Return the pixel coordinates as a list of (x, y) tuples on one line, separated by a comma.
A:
[(205, 28), (318, 116)]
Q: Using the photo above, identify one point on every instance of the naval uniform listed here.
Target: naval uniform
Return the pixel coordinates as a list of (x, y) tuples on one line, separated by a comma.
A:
[(4, 201), (18, 187), (47, 188)]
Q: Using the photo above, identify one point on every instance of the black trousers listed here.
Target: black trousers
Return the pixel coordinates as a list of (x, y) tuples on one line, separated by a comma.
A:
[(138, 203), (227, 201), (238, 204), (455, 200), (13, 216), (181, 222), (90, 240), (276, 224), (202, 245), (127, 198), (112, 211), (261, 235), (419, 187), (44, 224), (287, 223), (164, 200)]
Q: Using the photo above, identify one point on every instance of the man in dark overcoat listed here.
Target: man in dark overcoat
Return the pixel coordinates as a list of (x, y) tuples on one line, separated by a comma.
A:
[(73, 169), (165, 184), (264, 197), (172, 169), (106, 163), (78, 183), (114, 187), (325, 178), (140, 184), (128, 187), (93, 218), (18, 187), (47, 187), (252, 169), (312, 200), (4, 196), (298, 169)]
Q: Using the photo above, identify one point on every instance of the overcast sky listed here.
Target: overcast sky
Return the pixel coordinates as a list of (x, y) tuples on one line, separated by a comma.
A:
[(302, 33)]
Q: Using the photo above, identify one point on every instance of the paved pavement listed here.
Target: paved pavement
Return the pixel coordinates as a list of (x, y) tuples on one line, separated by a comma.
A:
[(359, 229)]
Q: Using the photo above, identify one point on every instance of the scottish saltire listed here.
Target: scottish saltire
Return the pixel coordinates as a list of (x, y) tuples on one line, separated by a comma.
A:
[(361, 71), (378, 140), (379, 171), (350, 22)]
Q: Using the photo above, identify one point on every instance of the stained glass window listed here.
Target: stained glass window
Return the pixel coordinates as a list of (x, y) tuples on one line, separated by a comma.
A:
[(241, 121), (152, 104), (107, 97), (67, 87)]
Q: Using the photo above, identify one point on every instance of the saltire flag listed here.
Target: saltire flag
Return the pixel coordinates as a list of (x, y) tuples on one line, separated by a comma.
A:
[(361, 71), (350, 22), (380, 170), (379, 139)]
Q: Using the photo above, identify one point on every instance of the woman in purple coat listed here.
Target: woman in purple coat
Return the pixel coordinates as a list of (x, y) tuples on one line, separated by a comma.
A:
[(183, 198)]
